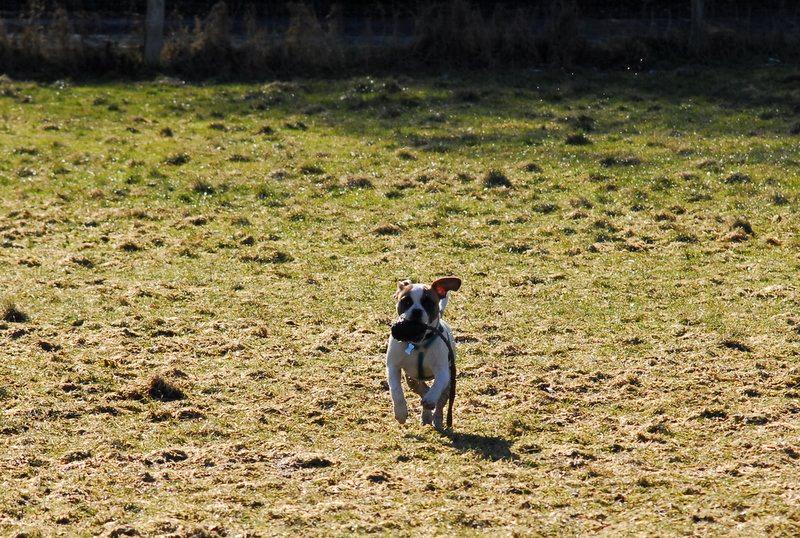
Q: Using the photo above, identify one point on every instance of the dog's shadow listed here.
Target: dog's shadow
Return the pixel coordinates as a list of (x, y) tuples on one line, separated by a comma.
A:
[(490, 447)]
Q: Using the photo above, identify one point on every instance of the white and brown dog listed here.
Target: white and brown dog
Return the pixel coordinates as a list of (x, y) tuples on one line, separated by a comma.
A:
[(422, 346)]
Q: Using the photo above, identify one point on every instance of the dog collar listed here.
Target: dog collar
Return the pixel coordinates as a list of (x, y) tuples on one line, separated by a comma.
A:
[(431, 332)]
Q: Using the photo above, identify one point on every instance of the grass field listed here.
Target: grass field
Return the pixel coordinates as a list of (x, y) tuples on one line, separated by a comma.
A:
[(197, 285)]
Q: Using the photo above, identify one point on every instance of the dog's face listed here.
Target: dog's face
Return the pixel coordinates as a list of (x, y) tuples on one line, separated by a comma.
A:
[(419, 302)]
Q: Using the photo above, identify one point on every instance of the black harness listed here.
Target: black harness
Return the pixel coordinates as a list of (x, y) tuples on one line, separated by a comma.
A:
[(421, 357)]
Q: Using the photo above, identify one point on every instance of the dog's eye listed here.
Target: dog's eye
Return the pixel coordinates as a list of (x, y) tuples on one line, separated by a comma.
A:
[(405, 302), (427, 303)]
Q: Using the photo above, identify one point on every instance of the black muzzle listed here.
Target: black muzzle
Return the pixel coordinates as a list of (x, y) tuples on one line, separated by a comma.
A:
[(407, 330)]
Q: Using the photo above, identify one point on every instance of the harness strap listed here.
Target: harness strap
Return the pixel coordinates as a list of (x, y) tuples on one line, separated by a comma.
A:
[(451, 359), (420, 357)]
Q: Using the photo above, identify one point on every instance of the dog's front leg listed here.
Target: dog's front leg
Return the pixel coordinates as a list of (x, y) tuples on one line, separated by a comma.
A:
[(396, 390), (441, 382)]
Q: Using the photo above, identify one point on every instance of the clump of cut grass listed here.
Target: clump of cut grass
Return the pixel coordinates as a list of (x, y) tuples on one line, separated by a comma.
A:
[(178, 159), (736, 345), (496, 179), (740, 230), (406, 155), (296, 125), (164, 390), (203, 187), (13, 314), (713, 413), (198, 220), (130, 246), (358, 182), (583, 122), (737, 178), (83, 261), (532, 167), (597, 178), (778, 198), (665, 216), (578, 139), (545, 208), (273, 257), (388, 229), (741, 223), (581, 202), (312, 169), (306, 461), (620, 160)]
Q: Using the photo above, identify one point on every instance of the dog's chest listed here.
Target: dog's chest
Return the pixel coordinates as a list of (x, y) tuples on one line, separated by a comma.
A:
[(417, 363), (421, 361)]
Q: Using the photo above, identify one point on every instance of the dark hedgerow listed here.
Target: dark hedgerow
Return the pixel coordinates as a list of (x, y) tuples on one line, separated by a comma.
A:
[(459, 34)]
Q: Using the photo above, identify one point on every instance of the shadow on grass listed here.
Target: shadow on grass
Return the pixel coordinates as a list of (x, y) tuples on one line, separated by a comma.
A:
[(490, 447)]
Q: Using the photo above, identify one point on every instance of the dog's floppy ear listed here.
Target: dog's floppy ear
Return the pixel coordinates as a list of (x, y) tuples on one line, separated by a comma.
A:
[(448, 283), (401, 285)]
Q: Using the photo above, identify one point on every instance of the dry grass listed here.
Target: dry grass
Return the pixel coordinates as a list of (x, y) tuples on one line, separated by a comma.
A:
[(203, 348)]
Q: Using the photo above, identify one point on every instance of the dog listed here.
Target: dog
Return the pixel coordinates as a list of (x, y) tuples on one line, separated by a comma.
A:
[(423, 348)]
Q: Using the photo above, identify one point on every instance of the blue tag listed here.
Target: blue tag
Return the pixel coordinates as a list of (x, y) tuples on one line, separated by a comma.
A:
[(409, 348)]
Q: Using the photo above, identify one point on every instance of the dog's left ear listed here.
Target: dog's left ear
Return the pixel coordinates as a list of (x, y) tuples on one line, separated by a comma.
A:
[(401, 285), (448, 283)]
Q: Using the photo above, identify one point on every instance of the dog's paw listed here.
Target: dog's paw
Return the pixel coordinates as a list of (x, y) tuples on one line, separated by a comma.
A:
[(401, 414), (428, 402), (427, 417), (437, 421)]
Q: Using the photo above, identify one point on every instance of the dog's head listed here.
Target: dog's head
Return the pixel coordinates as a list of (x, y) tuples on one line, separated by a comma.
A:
[(423, 304)]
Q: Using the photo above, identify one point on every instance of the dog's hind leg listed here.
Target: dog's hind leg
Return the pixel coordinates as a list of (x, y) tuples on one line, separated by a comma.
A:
[(421, 388), (438, 413)]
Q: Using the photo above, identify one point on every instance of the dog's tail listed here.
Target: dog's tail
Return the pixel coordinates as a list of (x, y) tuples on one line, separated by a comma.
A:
[(452, 396)]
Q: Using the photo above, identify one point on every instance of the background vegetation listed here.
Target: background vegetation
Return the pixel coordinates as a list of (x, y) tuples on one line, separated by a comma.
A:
[(333, 39)]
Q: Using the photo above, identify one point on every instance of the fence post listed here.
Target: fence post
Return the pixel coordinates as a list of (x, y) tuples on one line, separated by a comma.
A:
[(154, 32)]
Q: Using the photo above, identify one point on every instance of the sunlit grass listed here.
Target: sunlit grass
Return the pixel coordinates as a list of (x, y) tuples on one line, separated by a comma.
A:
[(627, 325)]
